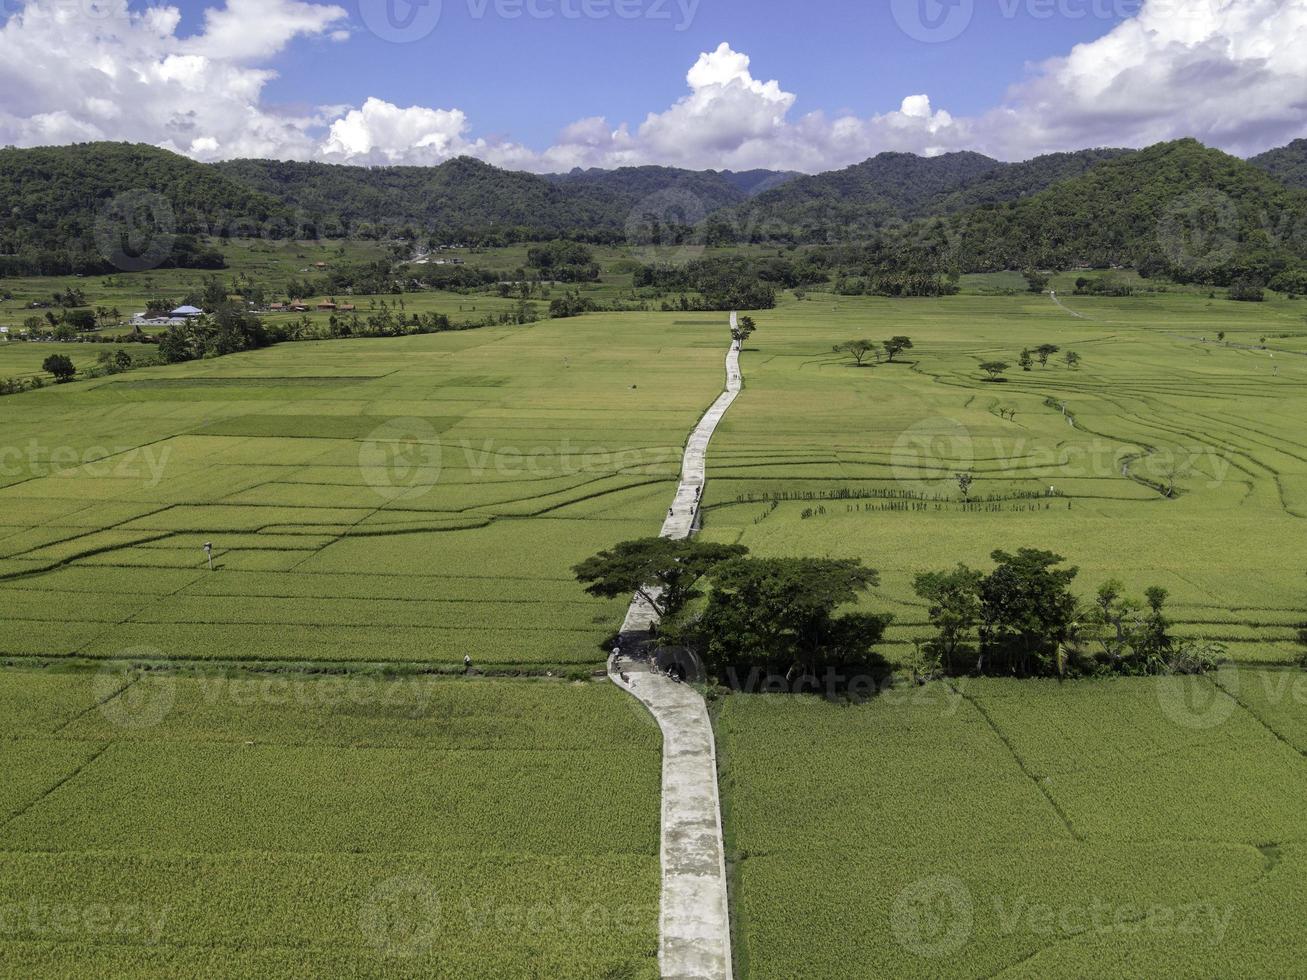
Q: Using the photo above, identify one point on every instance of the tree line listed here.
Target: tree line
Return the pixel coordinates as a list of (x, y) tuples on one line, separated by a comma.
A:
[(790, 617)]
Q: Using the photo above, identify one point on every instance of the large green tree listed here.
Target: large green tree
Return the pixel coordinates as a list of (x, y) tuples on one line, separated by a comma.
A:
[(665, 572), (61, 366), (779, 615), (856, 349), (953, 606), (1027, 613), (895, 346)]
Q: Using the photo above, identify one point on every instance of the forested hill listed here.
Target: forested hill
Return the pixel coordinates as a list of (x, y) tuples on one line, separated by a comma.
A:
[(461, 198), (714, 189), (1094, 207), (51, 197), (1013, 181), (857, 202), (1176, 207), (468, 199), (1288, 164)]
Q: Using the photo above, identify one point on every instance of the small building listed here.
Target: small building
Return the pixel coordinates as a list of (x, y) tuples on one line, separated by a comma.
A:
[(186, 313), (319, 265), (276, 307), (327, 307), (346, 308)]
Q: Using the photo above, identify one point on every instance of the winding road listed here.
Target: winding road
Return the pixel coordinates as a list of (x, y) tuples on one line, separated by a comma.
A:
[(695, 925)]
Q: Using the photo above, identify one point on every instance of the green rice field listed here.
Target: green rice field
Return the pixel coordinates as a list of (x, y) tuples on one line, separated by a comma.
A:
[(1126, 828), (408, 500), (202, 825), (255, 763), (873, 453)]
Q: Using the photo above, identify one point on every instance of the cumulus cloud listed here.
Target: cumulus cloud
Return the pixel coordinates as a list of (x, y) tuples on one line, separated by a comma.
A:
[(252, 29), (1229, 72), (99, 71)]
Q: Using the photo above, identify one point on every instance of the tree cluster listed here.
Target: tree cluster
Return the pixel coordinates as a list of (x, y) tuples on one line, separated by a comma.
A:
[(726, 282), (1021, 619), (777, 615)]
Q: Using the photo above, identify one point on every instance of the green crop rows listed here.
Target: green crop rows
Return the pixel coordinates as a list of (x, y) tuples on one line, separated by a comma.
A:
[(291, 825), (879, 449), (1021, 828), (239, 814), (553, 442)]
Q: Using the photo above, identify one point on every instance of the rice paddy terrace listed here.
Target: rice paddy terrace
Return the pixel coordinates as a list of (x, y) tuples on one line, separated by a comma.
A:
[(821, 457), (413, 501), (283, 783)]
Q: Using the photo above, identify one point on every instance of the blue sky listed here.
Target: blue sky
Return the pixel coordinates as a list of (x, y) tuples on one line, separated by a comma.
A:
[(722, 84), (527, 78)]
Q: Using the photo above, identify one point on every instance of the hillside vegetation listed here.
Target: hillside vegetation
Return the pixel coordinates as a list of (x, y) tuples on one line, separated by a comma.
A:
[(52, 198), (1288, 164), (1178, 209)]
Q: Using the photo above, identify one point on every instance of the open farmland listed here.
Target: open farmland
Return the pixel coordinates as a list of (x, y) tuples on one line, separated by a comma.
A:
[(1151, 827), (186, 825), (413, 499), (863, 460)]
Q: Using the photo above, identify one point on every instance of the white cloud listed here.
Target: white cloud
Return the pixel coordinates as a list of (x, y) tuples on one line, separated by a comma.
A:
[(1229, 72), (732, 120), (383, 133), (252, 29), (80, 71)]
